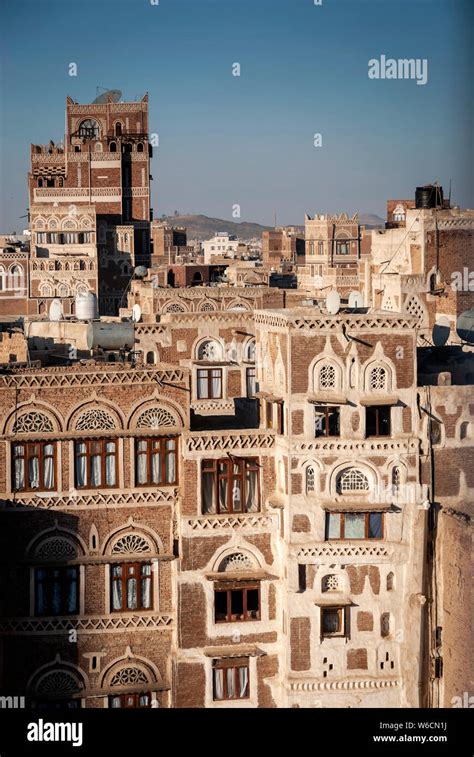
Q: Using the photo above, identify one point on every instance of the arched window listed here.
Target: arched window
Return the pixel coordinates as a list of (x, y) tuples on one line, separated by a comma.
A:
[(113, 147), (432, 282), (352, 480), (385, 624), (327, 377), (396, 480), (118, 129), (378, 378), (390, 581), (98, 147), (250, 351), (57, 685), (56, 585), (435, 432), (140, 147), (127, 147), (32, 422), (310, 479), (16, 276), (330, 582), (209, 350), (236, 561), (95, 419), (40, 182), (2, 278), (60, 181), (465, 430), (89, 129), (150, 358), (156, 417), (132, 543)]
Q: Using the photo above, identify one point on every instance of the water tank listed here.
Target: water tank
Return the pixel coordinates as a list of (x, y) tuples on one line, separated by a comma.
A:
[(429, 196), (140, 271), (111, 336), (465, 326), (86, 306)]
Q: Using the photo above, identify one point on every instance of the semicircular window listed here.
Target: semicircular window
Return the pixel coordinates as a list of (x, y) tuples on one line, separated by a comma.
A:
[(156, 417), (32, 422), (131, 544), (95, 419)]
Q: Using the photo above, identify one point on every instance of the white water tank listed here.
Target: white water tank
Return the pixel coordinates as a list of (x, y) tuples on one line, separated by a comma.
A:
[(86, 306)]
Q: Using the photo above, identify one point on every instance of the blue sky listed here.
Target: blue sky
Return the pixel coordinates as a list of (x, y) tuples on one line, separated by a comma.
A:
[(248, 140)]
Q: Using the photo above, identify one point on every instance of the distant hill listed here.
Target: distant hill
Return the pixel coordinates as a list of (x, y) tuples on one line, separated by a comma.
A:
[(371, 221), (202, 227)]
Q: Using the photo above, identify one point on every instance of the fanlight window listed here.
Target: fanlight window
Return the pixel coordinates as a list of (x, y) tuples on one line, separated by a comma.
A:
[(174, 308), (235, 561), (128, 677), (352, 480), (327, 377), (95, 419), (209, 350), (330, 582), (58, 682), (156, 417), (56, 548), (32, 422), (131, 544), (378, 378), (89, 129)]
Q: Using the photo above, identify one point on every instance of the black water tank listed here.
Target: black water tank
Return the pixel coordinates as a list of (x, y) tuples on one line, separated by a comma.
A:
[(429, 196)]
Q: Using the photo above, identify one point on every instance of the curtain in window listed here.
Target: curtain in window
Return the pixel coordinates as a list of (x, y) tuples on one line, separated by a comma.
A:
[(375, 525), (115, 702), (333, 525), (146, 586), (96, 470), (110, 463), (142, 463), (117, 587), (81, 464), (34, 472), (170, 462), (19, 471), (230, 683), (48, 466), (132, 593), (216, 383), (55, 593), (40, 597), (143, 700), (202, 385), (251, 503), (219, 683), (207, 490), (236, 491), (223, 495), (71, 599), (156, 468), (354, 525), (243, 681)]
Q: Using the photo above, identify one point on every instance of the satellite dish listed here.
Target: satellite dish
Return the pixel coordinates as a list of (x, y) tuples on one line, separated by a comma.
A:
[(333, 302), (114, 94), (441, 331), (136, 313), (465, 326), (356, 300), (55, 310)]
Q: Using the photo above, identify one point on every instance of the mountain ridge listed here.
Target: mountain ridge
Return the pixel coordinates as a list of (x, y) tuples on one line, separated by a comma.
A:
[(202, 227)]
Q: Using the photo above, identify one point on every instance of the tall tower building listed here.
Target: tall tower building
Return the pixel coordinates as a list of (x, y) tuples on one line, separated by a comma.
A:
[(104, 163)]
